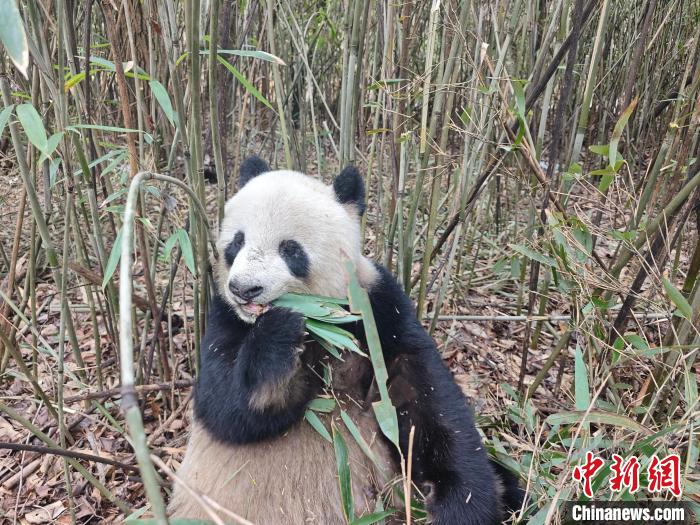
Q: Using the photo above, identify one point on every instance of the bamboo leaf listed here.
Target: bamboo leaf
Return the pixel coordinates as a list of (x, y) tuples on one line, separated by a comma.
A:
[(320, 308), (532, 254), (678, 299), (600, 149), (186, 246), (384, 410), (322, 404), (582, 392), (102, 128), (344, 478), (169, 244), (33, 126), (335, 335), (251, 53), (163, 99), (318, 426), (306, 308), (246, 83), (126, 66), (51, 145), (617, 132), (73, 80), (596, 416), (327, 346), (5, 116), (13, 36), (357, 435), (113, 260)]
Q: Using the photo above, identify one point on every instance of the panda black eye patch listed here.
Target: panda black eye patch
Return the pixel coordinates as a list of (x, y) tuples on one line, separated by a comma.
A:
[(234, 247), (295, 257)]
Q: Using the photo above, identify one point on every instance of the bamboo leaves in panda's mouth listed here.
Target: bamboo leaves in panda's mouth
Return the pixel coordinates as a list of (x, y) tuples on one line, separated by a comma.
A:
[(322, 317), (324, 309)]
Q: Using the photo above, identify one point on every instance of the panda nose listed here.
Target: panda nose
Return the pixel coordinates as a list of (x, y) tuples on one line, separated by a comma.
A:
[(247, 293)]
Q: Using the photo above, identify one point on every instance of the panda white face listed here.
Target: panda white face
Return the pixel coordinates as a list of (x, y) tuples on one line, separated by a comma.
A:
[(285, 232)]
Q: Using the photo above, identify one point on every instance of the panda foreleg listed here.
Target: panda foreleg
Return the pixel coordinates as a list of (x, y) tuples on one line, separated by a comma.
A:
[(449, 462), (264, 389)]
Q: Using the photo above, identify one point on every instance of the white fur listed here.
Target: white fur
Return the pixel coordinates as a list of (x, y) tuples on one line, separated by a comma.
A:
[(288, 205)]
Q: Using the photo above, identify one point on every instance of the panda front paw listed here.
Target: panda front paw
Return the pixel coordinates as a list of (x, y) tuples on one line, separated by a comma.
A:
[(280, 327), (276, 338)]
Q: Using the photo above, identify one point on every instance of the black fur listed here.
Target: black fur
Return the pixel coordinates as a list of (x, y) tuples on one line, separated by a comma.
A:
[(234, 247), (237, 360), (513, 493), (448, 457), (295, 257), (349, 188), (250, 168)]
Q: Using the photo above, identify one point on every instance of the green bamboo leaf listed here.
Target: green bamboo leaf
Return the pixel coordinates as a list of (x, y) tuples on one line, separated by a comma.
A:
[(169, 244), (532, 254), (309, 298), (357, 435), (605, 181), (246, 83), (103, 128), (315, 422), (5, 116), (113, 260), (385, 414), (600, 149), (596, 416), (299, 304), (581, 390), (51, 145), (117, 152), (251, 53), (186, 246), (322, 404), (384, 410), (13, 36), (73, 80), (163, 99), (678, 299), (53, 170), (334, 335), (322, 309), (327, 346), (109, 66), (617, 132), (636, 342), (344, 479), (33, 126)]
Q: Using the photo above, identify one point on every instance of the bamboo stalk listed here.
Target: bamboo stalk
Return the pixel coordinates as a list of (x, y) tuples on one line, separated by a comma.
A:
[(129, 402), (278, 85)]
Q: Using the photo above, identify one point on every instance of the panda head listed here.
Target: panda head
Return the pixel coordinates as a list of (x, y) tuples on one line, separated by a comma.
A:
[(284, 231)]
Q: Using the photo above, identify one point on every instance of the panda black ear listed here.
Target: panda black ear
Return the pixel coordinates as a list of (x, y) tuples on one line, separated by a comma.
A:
[(350, 189), (250, 168)]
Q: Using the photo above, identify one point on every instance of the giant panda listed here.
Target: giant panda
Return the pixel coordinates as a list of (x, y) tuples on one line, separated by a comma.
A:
[(250, 449)]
